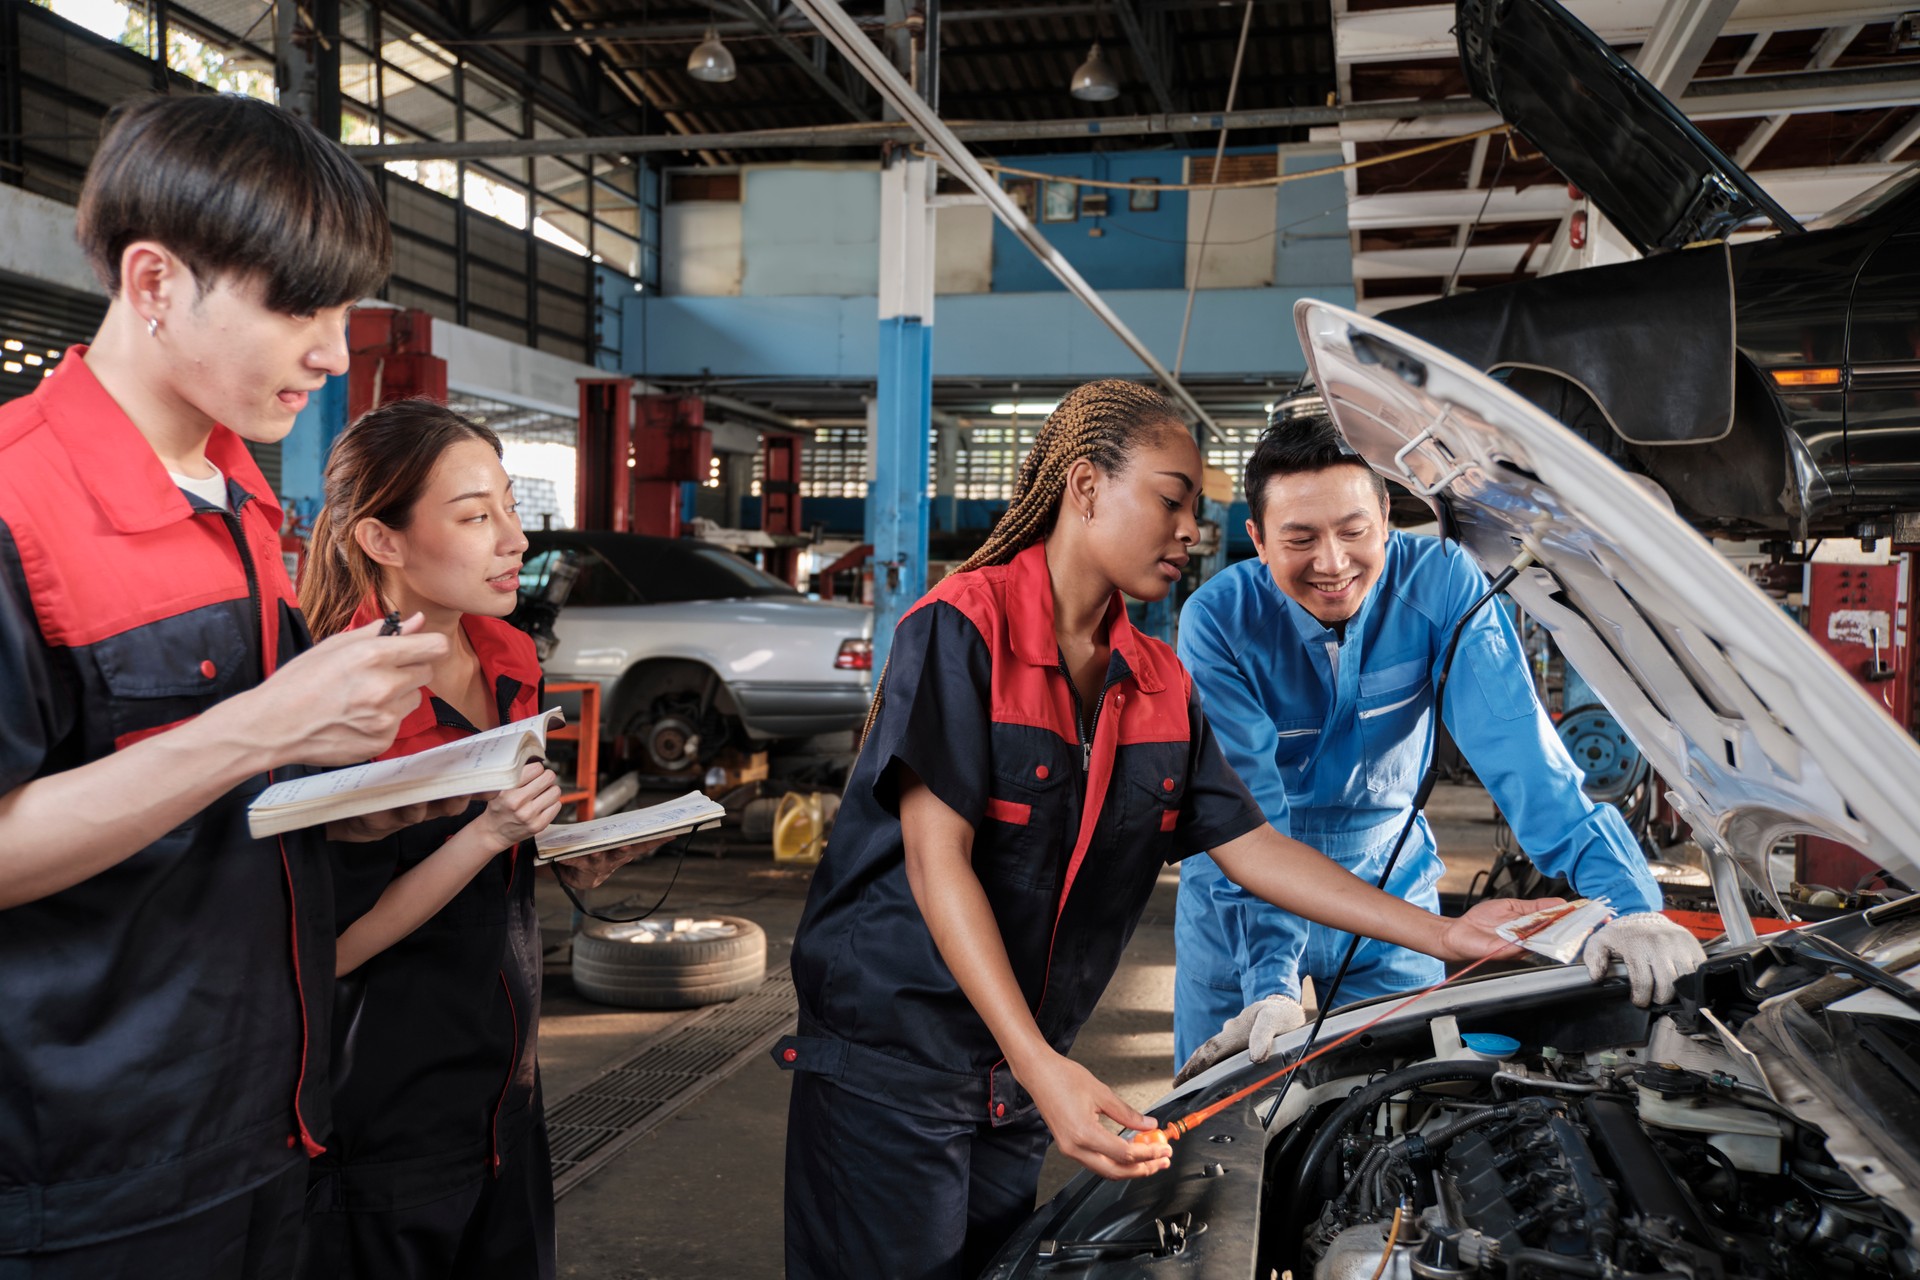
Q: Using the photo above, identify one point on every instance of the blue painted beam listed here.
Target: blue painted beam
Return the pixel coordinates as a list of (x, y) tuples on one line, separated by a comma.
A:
[(1004, 335), (897, 504)]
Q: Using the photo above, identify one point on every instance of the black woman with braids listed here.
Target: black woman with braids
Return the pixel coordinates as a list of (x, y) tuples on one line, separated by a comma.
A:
[(1031, 765)]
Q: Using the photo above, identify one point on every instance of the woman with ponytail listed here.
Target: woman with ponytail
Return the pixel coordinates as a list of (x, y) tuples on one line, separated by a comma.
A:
[(1031, 765), (438, 1164)]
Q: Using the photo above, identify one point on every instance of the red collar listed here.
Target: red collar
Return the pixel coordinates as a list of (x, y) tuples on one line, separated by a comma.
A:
[(117, 465), (1030, 620), (503, 650)]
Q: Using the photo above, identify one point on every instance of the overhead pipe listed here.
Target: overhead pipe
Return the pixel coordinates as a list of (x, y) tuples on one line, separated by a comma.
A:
[(857, 135), (1706, 99), (666, 31)]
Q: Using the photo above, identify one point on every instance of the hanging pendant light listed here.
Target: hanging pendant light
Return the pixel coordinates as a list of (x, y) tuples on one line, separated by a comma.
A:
[(1094, 81), (710, 59)]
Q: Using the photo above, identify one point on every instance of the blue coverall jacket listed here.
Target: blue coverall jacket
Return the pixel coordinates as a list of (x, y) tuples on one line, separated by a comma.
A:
[(1332, 736)]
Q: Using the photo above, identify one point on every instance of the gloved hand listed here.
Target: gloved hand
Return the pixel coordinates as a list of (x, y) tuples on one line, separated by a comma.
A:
[(1654, 949), (1254, 1029)]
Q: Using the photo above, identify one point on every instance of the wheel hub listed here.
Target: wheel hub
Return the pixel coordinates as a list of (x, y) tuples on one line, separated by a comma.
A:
[(672, 744)]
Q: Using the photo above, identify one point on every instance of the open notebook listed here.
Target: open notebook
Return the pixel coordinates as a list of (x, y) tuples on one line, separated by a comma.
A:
[(691, 812), (485, 762)]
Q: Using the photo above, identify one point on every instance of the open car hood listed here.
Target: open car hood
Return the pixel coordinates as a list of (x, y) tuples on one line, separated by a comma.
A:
[(1600, 122), (1756, 731)]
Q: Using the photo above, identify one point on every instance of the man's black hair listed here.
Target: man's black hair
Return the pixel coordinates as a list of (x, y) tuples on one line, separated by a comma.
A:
[(237, 188), (1300, 438)]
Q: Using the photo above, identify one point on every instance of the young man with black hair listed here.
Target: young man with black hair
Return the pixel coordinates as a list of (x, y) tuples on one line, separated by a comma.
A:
[(1316, 663), (168, 977)]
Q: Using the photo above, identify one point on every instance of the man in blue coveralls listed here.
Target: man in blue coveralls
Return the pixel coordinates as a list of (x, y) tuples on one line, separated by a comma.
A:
[(1316, 664)]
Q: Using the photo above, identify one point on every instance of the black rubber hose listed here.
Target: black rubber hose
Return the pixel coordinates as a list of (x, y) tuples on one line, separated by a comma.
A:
[(1440, 1137), (1363, 1100), (1523, 1262)]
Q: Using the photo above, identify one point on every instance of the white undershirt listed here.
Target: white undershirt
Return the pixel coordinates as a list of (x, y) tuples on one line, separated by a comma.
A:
[(211, 488)]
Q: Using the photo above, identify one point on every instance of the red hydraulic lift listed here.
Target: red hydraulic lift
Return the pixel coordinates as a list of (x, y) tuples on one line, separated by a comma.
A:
[(780, 503), (635, 453), (392, 359)]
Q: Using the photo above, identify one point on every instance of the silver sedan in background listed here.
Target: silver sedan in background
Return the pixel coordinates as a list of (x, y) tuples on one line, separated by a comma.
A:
[(695, 649)]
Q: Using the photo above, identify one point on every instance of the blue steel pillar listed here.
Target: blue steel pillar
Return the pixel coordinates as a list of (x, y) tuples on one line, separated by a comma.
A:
[(303, 454), (897, 505)]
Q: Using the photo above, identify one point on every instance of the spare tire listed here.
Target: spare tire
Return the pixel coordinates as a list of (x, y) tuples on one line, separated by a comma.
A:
[(669, 964)]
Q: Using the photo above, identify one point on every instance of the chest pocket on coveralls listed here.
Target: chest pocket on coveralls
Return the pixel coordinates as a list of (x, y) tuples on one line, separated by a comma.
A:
[(1294, 741), (1156, 791), (172, 669), (1394, 702), (1019, 841)]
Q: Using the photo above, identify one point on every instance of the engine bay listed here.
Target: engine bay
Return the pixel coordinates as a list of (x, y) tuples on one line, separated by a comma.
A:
[(1650, 1156)]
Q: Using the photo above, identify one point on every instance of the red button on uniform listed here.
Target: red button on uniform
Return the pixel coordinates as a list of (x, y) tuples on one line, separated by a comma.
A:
[(999, 1109), (1041, 772), (208, 670), (791, 1055), (1166, 784)]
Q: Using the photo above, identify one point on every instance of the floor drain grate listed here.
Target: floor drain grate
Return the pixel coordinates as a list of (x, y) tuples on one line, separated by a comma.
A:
[(592, 1125)]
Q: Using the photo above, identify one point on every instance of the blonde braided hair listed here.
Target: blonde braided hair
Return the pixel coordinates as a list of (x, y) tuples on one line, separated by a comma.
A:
[(1102, 422)]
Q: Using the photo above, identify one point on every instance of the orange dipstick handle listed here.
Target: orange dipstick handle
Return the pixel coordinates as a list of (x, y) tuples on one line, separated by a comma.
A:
[(1170, 1133)]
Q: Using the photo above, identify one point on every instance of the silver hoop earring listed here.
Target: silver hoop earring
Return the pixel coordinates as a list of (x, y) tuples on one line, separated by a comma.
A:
[(153, 326), (1088, 517)]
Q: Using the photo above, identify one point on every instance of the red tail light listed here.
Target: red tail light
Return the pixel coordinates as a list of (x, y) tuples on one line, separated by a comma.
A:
[(854, 655)]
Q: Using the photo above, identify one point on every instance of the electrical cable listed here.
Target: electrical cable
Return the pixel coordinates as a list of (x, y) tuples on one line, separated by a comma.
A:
[(1420, 798), (1206, 224), (1466, 239), (685, 842), (1241, 184)]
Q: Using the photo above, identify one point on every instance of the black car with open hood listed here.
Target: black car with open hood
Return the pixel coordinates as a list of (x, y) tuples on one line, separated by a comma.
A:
[(1770, 386), (1612, 134)]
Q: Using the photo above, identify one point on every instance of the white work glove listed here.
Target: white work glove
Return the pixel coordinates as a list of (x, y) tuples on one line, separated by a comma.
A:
[(1254, 1029), (1654, 949)]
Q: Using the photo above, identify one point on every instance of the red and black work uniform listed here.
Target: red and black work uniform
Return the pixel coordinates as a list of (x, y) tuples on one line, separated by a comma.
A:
[(158, 1099), (438, 1165), (911, 1150)]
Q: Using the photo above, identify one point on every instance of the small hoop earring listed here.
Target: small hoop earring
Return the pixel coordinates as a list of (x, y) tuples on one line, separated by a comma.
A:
[(153, 326), (1088, 517)]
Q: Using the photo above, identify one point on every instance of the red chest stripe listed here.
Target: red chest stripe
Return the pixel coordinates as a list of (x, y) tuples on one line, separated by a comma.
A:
[(1007, 811)]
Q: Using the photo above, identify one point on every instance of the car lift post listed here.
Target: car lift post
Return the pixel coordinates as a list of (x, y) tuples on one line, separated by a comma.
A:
[(897, 504), (780, 504), (635, 454)]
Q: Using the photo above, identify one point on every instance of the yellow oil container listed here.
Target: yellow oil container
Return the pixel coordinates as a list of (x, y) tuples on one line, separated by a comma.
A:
[(800, 826)]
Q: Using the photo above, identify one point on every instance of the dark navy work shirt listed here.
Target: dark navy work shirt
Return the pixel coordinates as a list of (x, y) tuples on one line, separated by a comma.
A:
[(1070, 834)]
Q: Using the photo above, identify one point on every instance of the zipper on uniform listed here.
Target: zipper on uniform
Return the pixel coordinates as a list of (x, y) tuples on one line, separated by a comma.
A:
[(232, 520), (259, 645), (1080, 725)]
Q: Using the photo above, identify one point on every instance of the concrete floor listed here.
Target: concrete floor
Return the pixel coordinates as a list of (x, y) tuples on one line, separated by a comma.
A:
[(700, 1196)]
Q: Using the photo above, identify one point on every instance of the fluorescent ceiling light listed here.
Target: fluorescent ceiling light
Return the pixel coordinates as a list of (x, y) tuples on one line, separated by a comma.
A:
[(1026, 408)]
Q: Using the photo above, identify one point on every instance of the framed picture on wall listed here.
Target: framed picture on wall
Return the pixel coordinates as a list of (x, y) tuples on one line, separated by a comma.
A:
[(1024, 192), (1062, 203), (1139, 201)]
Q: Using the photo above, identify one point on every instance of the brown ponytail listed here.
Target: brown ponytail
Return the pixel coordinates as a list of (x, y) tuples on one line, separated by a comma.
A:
[(1102, 422), (379, 467)]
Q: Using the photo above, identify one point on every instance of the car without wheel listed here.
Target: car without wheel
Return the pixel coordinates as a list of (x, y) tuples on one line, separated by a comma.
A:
[(694, 649)]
